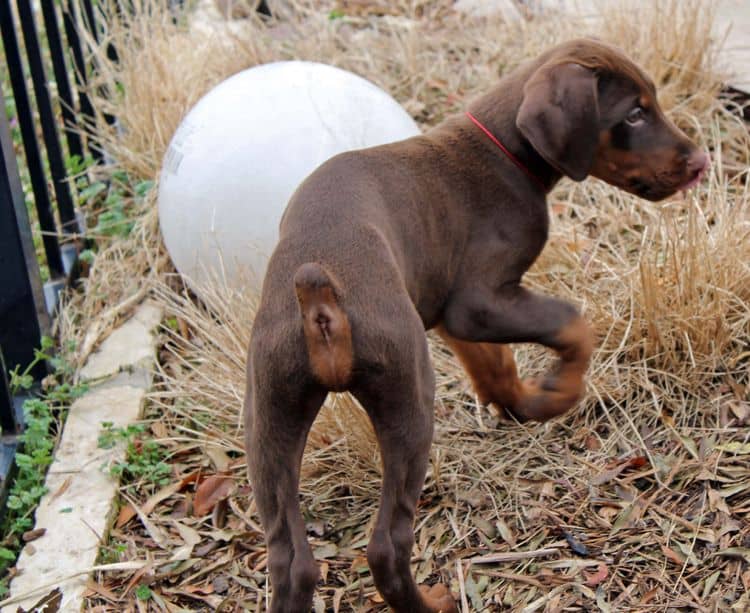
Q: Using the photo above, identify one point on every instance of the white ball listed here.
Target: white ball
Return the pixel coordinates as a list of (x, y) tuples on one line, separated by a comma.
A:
[(240, 153)]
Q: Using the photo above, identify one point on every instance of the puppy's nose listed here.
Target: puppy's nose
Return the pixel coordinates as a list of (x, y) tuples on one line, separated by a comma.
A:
[(697, 163)]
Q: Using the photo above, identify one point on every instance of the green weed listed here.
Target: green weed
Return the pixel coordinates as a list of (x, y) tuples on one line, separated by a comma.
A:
[(144, 458)]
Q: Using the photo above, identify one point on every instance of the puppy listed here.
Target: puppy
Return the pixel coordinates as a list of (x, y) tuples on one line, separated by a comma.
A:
[(379, 245)]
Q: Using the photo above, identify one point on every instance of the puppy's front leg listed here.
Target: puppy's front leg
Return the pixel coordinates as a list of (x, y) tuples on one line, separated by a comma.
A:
[(515, 315)]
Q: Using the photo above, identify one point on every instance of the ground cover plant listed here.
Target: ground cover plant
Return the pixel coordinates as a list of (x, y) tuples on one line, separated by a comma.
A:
[(637, 500)]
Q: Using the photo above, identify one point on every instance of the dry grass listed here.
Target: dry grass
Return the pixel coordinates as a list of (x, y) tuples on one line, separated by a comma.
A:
[(650, 473)]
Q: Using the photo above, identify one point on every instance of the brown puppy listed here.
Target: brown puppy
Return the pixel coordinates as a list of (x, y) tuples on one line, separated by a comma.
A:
[(436, 232)]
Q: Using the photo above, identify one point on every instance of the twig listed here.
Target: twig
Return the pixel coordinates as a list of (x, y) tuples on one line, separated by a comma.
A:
[(512, 556), (462, 587), (133, 565)]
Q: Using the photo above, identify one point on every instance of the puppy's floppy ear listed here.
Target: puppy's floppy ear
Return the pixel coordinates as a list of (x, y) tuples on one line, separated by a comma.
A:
[(559, 116)]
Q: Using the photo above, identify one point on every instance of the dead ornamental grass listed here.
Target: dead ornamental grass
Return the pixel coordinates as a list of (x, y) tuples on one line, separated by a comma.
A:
[(637, 500)]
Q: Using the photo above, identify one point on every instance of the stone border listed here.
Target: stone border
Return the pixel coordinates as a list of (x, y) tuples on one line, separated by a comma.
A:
[(76, 512)]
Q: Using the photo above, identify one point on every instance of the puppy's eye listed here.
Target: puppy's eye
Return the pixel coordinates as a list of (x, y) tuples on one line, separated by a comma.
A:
[(636, 116)]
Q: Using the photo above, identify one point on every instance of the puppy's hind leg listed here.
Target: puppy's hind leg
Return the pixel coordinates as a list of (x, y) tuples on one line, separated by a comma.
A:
[(400, 405), (277, 420)]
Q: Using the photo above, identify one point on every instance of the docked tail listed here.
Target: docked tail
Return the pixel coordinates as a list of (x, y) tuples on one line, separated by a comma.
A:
[(327, 331)]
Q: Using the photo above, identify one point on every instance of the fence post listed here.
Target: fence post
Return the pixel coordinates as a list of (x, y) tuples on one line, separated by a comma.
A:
[(70, 19), (30, 144), (22, 308), (63, 195), (67, 104)]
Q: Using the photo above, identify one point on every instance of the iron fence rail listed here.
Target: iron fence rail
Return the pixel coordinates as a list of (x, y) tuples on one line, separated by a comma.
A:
[(48, 123)]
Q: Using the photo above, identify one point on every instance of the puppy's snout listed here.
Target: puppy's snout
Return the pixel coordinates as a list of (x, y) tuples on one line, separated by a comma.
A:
[(696, 166), (697, 163)]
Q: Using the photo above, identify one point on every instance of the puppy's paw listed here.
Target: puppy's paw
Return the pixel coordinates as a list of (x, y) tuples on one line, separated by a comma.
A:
[(438, 598), (543, 399)]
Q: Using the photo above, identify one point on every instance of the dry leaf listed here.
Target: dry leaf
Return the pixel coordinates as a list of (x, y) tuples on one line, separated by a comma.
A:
[(188, 534), (741, 553), (125, 515), (159, 429), (32, 535), (741, 411), (329, 550), (219, 459), (63, 488), (594, 579), (506, 533), (592, 443), (735, 447), (575, 545), (210, 492), (672, 555)]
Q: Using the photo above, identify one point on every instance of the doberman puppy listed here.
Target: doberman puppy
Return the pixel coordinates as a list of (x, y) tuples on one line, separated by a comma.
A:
[(436, 231)]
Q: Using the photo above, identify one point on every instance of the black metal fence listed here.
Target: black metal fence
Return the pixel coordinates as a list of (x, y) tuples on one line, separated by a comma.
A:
[(44, 105)]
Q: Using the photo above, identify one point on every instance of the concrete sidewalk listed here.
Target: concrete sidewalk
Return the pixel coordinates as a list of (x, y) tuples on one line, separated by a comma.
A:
[(76, 512)]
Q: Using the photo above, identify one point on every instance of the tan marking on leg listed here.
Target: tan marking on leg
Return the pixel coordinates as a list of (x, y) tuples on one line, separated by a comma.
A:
[(491, 368)]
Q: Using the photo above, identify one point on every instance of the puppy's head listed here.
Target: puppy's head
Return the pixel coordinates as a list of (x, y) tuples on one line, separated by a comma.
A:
[(588, 110)]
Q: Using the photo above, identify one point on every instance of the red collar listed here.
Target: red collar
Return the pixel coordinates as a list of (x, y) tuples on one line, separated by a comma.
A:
[(511, 157)]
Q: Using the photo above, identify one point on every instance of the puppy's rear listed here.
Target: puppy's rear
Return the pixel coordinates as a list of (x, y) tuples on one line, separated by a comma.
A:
[(328, 335)]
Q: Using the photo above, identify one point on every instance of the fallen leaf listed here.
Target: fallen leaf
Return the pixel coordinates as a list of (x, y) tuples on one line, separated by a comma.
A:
[(548, 490), (188, 534), (154, 531), (745, 580), (506, 533), (601, 601), (128, 512), (318, 605), (225, 535), (206, 548), (716, 502), (741, 411), (592, 443), (220, 584), (316, 527), (485, 526), (210, 492), (125, 515), (181, 553), (219, 459), (690, 445), (472, 591), (190, 478), (198, 589), (159, 429), (741, 553), (49, 603), (219, 514), (708, 585), (338, 594), (608, 475), (594, 579), (329, 550), (672, 555), (649, 596), (638, 461), (735, 447), (62, 489), (575, 545), (32, 535), (358, 564)]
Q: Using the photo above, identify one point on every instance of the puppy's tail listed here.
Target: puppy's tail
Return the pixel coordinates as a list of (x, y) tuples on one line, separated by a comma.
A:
[(327, 331)]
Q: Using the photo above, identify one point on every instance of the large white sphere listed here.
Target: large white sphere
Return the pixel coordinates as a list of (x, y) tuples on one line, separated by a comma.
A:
[(240, 153)]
